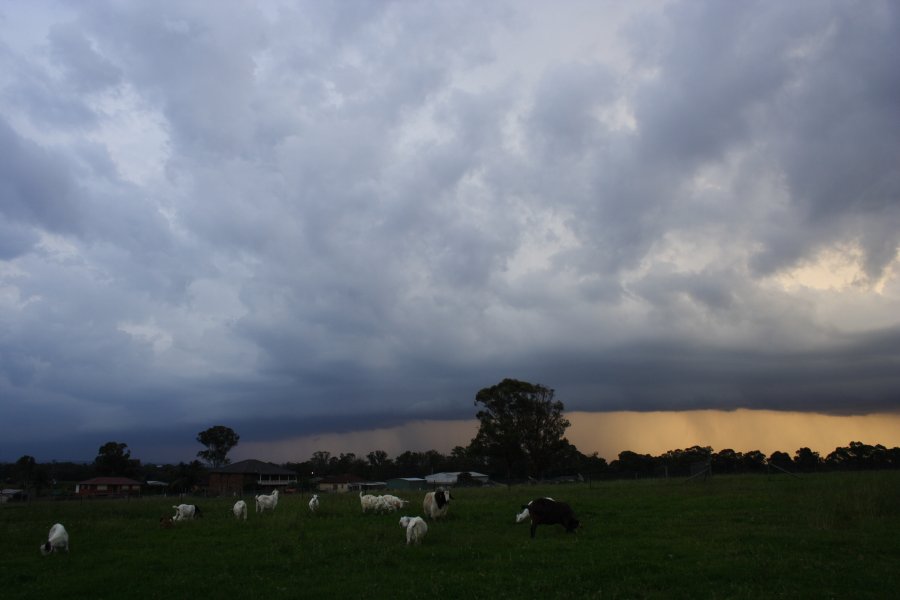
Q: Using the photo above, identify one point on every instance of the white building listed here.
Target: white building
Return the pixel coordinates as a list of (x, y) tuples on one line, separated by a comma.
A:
[(452, 478)]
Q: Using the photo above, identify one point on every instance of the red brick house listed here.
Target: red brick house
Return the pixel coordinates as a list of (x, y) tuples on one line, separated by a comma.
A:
[(250, 476), (108, 486)]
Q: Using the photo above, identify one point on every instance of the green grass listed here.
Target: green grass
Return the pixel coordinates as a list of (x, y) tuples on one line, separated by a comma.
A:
[(823, 536)]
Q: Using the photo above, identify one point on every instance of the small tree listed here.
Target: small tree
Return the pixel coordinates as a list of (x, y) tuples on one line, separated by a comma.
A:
[(114, 458), (25, 470), (219, 440), (379, 464), (807, 460)]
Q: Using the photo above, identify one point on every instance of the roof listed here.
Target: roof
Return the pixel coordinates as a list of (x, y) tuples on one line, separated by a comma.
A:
[(345, 478), (254, 466), (451, 477), (110, 481), (417, 479)]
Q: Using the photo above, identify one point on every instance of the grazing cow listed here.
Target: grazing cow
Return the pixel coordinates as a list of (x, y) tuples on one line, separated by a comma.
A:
[(388, 503), (184, 512), (437, 503), (314, 503), (240, 510), (547, 511), (267, 502), (393, 502), (57, 540), (415, 527)]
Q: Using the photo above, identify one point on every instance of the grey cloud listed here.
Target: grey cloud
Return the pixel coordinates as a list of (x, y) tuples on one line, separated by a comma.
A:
[(836, 136), (565, 105), (363, 214), (15, 240), (87, 70)]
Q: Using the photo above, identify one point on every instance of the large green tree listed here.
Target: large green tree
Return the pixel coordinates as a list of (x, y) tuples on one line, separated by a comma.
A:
[(219, 440), (520, 424)]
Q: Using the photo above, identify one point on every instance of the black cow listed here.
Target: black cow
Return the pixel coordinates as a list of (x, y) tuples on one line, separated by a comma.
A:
[(547, 511)]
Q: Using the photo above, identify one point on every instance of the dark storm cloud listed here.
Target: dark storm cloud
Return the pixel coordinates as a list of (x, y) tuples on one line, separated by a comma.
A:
[(36, 186), (308, 217)]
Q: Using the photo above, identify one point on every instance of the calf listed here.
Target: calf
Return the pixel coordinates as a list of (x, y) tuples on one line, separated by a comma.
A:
[(546, 511), (184, 512), (57, 540), (240, 510), (415, 527), (314, 503), (437, 503)]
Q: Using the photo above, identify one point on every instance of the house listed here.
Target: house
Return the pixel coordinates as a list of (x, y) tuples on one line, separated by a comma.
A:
[(11, 495), (453, 478), (108, 486), (407, 483), (250, 476), (341, 483)]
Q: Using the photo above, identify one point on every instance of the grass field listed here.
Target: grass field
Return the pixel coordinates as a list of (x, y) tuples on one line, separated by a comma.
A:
[(822, 536)]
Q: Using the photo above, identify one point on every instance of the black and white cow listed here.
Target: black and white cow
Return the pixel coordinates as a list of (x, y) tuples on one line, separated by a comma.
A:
[(547, 511), (437, 503)]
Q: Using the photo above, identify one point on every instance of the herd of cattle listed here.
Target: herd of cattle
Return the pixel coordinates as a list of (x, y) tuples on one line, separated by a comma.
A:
[(541, 511)]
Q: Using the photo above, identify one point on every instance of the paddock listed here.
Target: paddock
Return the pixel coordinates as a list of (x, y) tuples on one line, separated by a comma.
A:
[(745, 536)]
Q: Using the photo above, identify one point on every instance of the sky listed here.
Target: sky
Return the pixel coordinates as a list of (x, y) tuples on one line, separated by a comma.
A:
[(333, 222)]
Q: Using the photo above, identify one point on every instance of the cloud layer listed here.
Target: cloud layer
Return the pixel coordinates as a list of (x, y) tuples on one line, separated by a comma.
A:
[(298, 218)]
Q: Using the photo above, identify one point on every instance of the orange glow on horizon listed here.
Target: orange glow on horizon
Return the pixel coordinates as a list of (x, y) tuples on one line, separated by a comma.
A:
[(741, 430), (610, 433)]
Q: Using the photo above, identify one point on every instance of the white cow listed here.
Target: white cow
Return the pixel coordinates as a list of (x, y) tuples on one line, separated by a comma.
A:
[(314, 503), (240, 510), (57, 540), (393, 502), (367, 501), (267, 502), (416, 528)]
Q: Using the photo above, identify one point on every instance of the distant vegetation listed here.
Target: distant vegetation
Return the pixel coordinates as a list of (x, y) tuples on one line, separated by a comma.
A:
[(520, 438), (48, 478)]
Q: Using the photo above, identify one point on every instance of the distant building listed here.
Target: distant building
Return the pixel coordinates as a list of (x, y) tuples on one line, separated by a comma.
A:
[(342, 483), (10, 494), (250, 476), (407, 483), (108, 486), (452, 478), (156, 487)]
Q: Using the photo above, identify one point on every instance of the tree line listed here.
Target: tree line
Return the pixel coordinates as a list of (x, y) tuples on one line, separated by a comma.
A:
[(521, 437), (377, 465)]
